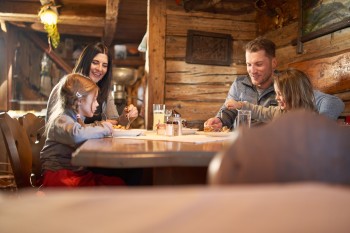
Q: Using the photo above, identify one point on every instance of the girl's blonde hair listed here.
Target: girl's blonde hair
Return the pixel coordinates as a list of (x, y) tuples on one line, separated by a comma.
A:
[(296, 89), (72, 87)]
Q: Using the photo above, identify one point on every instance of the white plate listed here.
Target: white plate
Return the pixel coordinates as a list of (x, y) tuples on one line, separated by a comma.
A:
[(215, 134), (186, 131), (128, 132)]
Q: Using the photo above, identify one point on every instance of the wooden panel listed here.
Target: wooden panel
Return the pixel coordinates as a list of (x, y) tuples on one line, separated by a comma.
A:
[(199, 92), (176, 48), (239, 30), (346, 111), (345, 96), (335, 43), (194, 112), (283, 36), (155, 55), (330, 74), (236, 13), (220, 79), (183, 67), (3, 75)]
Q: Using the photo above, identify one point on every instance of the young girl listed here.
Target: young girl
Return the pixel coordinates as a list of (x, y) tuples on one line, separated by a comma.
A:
[(66, 131), (293, 91)]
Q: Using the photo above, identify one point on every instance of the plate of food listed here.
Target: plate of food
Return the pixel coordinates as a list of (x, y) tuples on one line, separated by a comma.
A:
[(122, 132), (214, 134), (187, 131), (209, 131)]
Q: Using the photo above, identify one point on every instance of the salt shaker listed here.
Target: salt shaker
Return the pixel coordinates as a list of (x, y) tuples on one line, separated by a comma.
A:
[(169, 128), (177, 125)]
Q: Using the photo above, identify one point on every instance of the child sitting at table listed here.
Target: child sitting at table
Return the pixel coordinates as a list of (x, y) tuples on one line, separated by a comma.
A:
[(66, 131), (293, 91)]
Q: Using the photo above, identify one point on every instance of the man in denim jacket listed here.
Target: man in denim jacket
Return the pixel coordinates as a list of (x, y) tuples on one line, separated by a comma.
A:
[(257, 86)]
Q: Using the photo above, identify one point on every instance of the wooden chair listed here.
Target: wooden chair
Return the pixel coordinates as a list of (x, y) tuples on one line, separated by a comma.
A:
[(7, 180), (299, 146), (18, 149), (34, 127)]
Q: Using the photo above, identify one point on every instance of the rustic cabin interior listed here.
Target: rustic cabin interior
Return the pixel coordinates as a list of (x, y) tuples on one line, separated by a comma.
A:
[(156, 61)]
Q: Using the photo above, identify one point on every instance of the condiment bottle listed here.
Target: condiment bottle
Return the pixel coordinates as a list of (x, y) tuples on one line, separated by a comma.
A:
[(169, 128), (177, 125)]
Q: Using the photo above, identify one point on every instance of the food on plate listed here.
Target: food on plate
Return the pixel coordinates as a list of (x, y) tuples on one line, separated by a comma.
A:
[(224, 129), (118, 127)]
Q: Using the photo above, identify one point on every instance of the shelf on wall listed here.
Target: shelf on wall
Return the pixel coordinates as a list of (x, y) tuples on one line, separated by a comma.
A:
[(129, 62)]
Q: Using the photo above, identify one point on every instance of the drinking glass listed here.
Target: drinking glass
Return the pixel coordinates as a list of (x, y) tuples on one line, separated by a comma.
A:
[(158, 115), (244, 118), (168, 113)]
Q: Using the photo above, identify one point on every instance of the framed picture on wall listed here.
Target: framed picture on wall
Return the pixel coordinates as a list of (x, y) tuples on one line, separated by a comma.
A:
[(208, 48), (321, 17)]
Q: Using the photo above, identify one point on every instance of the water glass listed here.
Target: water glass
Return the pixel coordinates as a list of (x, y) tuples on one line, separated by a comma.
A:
[(244, 118), (158, 115)]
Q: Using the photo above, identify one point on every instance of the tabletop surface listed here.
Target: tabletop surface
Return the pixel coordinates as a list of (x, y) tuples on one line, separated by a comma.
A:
[(287, 208), (134, 152)]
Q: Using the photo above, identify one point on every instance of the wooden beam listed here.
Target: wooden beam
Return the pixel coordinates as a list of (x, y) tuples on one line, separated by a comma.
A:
[(155, 57), (112, 8), (52, 54), (62, 19), (72, 30)]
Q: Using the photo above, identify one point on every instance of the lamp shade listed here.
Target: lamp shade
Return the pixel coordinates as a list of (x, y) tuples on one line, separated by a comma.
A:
[(48, 16)]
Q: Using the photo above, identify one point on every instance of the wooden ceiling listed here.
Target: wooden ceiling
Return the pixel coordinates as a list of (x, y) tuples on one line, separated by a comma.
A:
[(112, 21)]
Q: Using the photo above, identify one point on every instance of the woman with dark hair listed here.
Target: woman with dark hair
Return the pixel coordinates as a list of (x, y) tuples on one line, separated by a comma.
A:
[(95, 62)]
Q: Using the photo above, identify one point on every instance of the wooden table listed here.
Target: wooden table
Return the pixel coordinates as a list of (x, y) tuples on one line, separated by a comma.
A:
[(171, 162), (287, 208)]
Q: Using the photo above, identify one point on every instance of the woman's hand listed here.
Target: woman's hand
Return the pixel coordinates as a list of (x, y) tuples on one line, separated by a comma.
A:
[(113, 122), (233, 104), (131, 111), (108, 125), (214, 123)]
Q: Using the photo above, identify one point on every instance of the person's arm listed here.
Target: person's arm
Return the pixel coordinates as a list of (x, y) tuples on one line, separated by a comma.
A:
[(111, 109), (232, 94), (113, 115), (69, 132), (328, 105), (228, 117), (264, 114)]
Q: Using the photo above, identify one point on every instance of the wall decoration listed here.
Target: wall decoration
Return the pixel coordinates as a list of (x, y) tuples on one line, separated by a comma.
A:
[(321, 17), (208, 48)]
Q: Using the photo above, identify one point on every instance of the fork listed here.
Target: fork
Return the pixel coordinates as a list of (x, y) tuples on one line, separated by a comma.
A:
[(129, 122)]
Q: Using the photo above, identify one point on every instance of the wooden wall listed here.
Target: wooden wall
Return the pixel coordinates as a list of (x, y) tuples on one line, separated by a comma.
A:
[(325, 59), (3, 73), (198, 91)]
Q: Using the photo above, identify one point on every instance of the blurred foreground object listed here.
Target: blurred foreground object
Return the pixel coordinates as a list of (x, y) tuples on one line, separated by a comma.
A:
[(299, 146)]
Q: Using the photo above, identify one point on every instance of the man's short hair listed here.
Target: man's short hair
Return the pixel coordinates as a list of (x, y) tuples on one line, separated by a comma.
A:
[(261, 43)]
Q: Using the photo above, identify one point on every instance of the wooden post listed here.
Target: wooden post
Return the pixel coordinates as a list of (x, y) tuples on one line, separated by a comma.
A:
[(155, 57)]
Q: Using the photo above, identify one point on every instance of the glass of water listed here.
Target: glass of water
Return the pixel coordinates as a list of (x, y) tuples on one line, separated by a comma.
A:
[(244, 118)]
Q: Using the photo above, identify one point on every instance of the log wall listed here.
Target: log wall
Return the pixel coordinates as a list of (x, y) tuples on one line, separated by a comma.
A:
[(198, 91), (325, 59)]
